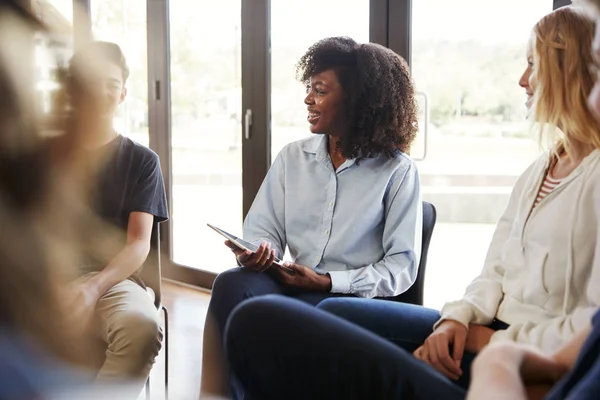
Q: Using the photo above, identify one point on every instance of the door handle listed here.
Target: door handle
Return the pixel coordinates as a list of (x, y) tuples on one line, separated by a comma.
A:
[(425, 123), (247, 123)]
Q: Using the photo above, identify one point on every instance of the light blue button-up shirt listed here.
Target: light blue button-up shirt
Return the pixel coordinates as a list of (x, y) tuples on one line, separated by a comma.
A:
[(360, 224)]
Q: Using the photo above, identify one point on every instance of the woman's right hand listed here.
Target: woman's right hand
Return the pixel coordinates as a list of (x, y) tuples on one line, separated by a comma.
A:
[(259, 261), (436, 349)]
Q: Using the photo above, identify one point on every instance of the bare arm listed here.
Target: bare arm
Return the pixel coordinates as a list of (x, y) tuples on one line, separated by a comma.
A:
[(130, 258)]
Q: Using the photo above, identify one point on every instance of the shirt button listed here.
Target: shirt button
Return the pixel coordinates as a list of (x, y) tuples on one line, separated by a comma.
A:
[(331, 204), (327, 232)]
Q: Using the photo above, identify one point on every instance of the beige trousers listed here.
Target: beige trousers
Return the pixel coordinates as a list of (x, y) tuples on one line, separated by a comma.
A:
[(129, 324)]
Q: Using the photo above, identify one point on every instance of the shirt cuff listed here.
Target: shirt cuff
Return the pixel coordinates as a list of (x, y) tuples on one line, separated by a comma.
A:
[(340, 281), (456, 311)]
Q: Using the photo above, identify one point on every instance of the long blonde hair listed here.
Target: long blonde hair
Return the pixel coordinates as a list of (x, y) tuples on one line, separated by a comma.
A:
[(562, 47)]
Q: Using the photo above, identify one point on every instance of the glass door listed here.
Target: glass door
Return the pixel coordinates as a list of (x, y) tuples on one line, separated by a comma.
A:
[(467, 65), (206, 126), (124, 23), (53, 51)]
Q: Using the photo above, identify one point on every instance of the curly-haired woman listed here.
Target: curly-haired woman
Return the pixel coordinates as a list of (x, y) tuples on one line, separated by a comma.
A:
[(345, 201)]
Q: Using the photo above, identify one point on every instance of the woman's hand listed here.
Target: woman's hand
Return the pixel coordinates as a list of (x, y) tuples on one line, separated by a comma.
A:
[(258, 261), (436, 349), (305, 278)]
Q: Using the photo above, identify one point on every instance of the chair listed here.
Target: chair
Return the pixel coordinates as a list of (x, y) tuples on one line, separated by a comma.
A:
[(414, 295), (151, 275)]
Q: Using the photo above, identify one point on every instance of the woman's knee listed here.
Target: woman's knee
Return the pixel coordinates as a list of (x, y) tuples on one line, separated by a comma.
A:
[(235, 286), (267, 307), (228, 280), (259, 314), (341, 306), (239, 279), (400, 322)]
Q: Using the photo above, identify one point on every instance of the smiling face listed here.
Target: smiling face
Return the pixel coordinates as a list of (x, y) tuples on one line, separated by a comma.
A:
[(324, 103), (528, 80)]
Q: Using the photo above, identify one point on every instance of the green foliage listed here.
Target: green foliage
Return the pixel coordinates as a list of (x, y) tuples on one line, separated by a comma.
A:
[(470, 78), (467, 78)]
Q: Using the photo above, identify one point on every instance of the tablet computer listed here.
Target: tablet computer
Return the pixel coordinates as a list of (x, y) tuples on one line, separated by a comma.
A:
[(245, 245)]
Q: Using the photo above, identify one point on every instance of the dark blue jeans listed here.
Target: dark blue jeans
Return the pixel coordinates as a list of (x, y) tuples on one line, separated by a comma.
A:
[(230, 289), (406, 325), (280, 348)]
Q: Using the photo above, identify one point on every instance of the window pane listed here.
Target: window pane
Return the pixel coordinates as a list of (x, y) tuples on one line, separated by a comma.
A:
[(206, 128), (56, 13), (124, 22), (468, 65), (52, 53), (295, 26)]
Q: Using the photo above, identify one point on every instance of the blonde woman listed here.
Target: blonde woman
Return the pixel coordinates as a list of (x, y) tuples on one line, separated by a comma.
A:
[(509, 371), (540, 283)]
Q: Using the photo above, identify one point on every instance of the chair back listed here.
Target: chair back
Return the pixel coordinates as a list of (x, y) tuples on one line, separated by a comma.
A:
[(414, 295), (151, 272)]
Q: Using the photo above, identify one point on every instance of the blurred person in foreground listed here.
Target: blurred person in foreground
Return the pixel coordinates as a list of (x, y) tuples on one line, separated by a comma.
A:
[(42, 203)]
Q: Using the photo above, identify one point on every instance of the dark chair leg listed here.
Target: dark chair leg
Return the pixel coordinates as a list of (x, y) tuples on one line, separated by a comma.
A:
[(166, 314)]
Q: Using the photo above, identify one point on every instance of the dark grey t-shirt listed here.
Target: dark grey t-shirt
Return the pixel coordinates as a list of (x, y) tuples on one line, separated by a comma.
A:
[(129, 180)]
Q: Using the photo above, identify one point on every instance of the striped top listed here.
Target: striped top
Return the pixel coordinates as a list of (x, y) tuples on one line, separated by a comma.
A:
[(547, 186)]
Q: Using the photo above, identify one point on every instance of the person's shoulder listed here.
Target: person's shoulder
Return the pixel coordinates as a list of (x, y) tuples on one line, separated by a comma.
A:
[(533, 171), (137, 150), (540, 162), (591, 172), (403, 159), (399, 161), (592, 163)]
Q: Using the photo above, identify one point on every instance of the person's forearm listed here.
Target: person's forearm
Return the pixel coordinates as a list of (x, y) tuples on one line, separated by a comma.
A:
[(385, 278), (125, 263), (479, 336)]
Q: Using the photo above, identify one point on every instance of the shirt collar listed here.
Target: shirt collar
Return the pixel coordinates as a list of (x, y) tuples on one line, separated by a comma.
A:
[(315, 144), (318, 145)]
